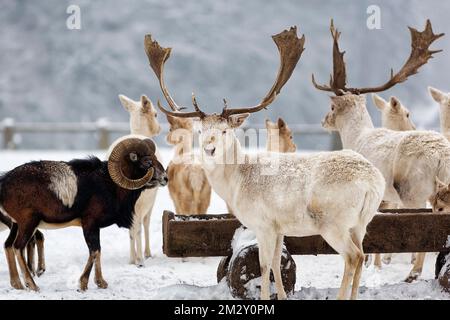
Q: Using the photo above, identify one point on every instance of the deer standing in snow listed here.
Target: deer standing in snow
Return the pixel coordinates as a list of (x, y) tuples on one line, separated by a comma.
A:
[(188, 186), (409, 160), (334, 194), (444, 103), (394, 116), (143, 122), (279, 137)]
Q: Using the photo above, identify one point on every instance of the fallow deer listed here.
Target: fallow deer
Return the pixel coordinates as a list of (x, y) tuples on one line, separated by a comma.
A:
[(334, 194), (394, 116), (279, 137), (444, 103), (409, 160), (188, 186), (143, 122)]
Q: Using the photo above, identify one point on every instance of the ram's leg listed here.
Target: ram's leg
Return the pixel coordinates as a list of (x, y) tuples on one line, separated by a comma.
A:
[(147, 251), (266, 243), (138, 239), (31, 255), (377, 260), (101, 283), (24, 233), (14, 278), (92, 237), (276, 267), (40, 252)]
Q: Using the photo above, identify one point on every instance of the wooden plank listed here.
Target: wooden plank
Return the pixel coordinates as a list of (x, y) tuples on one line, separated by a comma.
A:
[(405, 230)]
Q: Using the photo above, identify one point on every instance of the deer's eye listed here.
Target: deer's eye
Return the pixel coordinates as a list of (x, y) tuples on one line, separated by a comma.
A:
[(224, 131), (332, 108), (407, 115), (441, 209)]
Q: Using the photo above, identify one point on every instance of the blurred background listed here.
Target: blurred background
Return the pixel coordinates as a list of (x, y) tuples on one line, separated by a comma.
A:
[(59, 87)]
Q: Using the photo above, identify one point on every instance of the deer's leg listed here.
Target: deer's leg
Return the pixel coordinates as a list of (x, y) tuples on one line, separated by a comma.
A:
[(341, 242), (417, 268), (266, 244), (40, 252), (31, 254), (92, 237), (357, 238), (24, 233), (132, 247), (413, 258), (14, 278), (276, 267), (147, 251)]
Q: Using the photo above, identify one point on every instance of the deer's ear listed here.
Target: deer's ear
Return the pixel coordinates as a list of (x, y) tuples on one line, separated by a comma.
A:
[(269, 124), (379, 102), (395, 104), (236, 120), (281, 124), (437, 95), (440, 185), (127, 103), (146, 103)]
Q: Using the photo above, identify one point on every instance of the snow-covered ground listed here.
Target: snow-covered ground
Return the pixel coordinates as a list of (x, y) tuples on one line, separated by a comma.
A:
[(318, 277)]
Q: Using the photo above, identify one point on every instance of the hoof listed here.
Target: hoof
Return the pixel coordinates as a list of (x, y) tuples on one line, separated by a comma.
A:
[(40, 272), (83, 286), (148, 255), (17, 285), (411, 278), (102, 284), (32, 287), (368, 260)]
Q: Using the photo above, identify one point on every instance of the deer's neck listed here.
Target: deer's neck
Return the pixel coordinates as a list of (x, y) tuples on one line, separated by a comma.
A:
[(224, 175), (183, 148), (445, 121), (354, 125)]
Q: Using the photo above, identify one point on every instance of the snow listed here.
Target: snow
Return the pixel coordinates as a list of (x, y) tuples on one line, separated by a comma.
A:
[(318, 277)]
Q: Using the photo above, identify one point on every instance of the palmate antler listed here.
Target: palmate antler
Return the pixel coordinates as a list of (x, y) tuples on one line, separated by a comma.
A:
[(290, 48), (420, 54)]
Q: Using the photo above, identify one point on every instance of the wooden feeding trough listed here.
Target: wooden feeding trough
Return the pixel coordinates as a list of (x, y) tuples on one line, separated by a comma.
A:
[(392, 231)]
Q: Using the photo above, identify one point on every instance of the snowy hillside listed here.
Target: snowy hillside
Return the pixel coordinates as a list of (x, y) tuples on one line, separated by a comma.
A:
[(220, 49), (192, 278)]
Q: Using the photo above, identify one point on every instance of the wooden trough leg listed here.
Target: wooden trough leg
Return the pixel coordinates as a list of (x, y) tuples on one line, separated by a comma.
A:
[(442, 270), (244, 267)]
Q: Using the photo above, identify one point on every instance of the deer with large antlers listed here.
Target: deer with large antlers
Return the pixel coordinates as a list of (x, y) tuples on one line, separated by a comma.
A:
[(409, 160), (334, 194)]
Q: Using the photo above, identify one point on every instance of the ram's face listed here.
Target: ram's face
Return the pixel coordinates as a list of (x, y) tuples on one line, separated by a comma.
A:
[(139, 164)]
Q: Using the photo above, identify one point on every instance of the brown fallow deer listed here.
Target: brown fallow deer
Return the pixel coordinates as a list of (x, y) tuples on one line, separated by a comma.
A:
[(279, 137), (188, 186), (394, 116), (333, 194), (409, 160)]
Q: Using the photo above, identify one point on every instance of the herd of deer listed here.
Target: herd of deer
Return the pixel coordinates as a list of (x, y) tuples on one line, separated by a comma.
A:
[(332, 194)]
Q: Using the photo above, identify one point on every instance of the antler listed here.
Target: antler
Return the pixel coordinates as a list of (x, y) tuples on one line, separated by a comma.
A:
[(157, 56), (420, 54), (290, 48)]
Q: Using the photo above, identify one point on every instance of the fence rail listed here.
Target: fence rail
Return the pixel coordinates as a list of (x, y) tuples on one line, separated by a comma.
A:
[(103, 129)]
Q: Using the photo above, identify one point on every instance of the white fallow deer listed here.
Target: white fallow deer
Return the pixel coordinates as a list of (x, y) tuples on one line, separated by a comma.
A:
[(279, 137), (444, 103), (332, 194), (143, 122), (409, 160), (394, 116)]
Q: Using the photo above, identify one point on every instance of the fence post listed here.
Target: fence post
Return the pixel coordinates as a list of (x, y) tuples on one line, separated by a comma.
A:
[(8, 133), (103, 133)]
